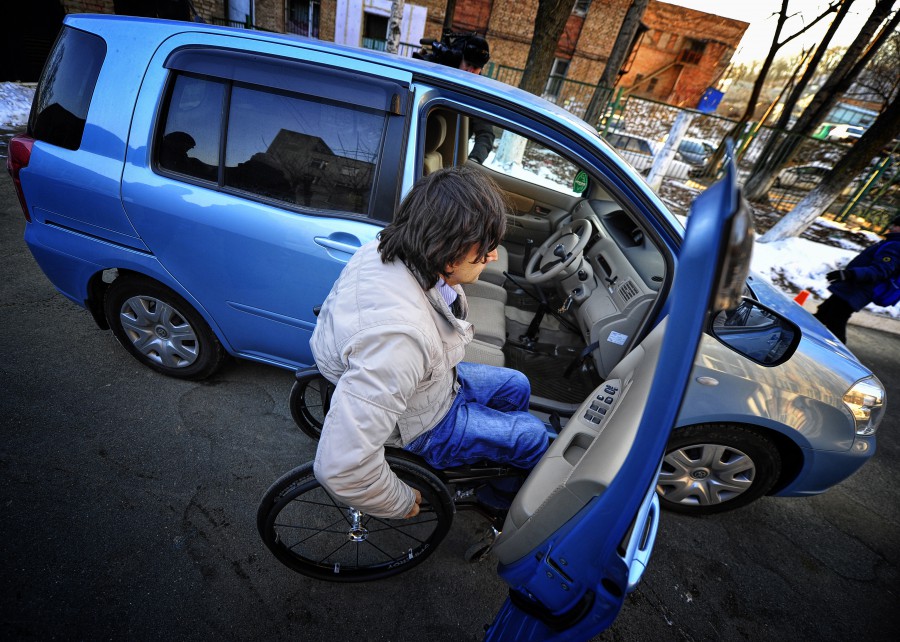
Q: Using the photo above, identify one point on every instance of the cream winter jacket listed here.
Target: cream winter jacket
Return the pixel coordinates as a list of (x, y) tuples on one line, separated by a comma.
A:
[(391, 348)]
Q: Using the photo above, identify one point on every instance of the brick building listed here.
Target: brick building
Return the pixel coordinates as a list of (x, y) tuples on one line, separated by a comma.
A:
[(679, 54)]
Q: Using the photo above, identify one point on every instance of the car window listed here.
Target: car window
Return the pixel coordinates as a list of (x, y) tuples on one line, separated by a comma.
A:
[(538, 165), (640, 146), (301, 151), (192, 131), (67, 85)]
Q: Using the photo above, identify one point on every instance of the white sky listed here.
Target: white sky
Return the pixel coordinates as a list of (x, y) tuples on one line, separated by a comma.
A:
[(761, 16)]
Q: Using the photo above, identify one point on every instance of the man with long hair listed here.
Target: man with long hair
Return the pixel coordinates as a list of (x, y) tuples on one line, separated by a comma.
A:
[(392, 334)]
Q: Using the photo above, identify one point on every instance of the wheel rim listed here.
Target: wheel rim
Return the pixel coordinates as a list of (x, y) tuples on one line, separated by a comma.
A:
[(705, 475), (318, 536), (159, 332), (314, 401)]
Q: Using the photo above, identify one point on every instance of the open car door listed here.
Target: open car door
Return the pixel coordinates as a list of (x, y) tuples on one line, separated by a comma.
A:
[(580, 531)]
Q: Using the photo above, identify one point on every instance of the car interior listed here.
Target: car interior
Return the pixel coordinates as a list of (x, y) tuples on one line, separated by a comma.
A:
[(577, 275)]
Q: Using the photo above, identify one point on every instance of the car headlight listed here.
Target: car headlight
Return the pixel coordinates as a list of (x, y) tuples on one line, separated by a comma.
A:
[(865, 400)]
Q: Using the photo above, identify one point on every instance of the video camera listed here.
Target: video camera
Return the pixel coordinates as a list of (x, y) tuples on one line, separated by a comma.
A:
[(453, 48)]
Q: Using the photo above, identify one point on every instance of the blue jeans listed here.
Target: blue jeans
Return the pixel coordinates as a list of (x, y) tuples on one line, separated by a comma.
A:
[(487, 421)]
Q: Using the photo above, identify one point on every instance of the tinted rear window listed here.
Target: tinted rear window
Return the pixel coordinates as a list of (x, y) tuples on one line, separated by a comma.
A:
[(64, 95), (298, 149)]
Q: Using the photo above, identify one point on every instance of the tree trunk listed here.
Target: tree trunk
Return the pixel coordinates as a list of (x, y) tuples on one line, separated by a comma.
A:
[(797, 92), (549, 23), (620, 50), (448, 14), (737, 129), (885, 128), (393, 29), (782, 147)]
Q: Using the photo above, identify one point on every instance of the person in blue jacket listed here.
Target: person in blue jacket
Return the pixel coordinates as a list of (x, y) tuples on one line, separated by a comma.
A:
[(862, 282)]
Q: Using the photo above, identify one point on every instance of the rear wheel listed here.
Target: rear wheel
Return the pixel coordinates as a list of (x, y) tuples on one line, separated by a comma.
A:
[(716, 468), (320, 537), (309, 403), (160, 329)]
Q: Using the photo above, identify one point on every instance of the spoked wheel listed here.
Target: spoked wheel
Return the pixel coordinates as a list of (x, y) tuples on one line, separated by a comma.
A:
[(320, 537), (310, 401)]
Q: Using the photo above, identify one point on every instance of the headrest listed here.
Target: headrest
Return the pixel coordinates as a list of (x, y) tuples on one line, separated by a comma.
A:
[(435, 132)]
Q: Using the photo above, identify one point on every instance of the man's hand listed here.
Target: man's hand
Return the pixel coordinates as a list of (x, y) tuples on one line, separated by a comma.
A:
[(415, 508)]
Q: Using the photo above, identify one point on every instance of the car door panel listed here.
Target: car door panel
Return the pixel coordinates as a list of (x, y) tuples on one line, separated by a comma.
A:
[(287, 187), (580, 531)]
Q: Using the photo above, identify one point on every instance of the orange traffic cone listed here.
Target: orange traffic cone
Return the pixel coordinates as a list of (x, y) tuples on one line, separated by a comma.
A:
[(801, 296)]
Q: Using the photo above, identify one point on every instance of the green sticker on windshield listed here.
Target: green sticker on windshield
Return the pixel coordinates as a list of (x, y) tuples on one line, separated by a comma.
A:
[(580, 182)]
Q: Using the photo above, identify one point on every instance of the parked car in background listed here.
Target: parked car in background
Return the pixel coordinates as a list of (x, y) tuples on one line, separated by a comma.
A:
[(802, 176), (199, 192), (640, 153), (696, 152)]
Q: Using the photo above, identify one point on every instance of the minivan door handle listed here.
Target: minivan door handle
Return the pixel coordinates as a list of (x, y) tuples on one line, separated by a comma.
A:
[(339, 242)]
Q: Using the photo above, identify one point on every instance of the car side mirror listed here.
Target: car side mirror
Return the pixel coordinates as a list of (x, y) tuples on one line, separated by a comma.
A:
[(757, 332)]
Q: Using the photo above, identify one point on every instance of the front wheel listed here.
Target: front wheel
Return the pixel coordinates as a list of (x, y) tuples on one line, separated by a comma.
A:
[(716, 468), (312, 533), (160, 329)]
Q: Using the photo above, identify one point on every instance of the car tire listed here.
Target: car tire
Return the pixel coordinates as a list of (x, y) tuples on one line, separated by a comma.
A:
[(713, 468), (160, 329)]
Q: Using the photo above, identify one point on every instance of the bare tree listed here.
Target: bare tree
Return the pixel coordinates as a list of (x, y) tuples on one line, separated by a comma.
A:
[(777, 43), (548, 27), (858, 54), (886, 127), (621, 47)]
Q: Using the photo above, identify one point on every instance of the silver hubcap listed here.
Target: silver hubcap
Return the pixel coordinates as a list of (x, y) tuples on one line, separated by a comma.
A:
[(159, 332), (705, 474)]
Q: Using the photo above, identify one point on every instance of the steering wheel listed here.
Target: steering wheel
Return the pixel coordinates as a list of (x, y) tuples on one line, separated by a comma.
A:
[(559, 251)]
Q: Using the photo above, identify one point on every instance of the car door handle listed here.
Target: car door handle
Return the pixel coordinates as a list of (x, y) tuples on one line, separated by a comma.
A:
[(339, 242), (643, 538)]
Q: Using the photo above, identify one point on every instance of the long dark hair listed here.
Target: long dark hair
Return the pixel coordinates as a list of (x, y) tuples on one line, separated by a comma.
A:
[(444, 216)]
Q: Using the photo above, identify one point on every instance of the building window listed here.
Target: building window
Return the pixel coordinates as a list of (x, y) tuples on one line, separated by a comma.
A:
[(557, 76), (664, 40), (581, 7), (374, 34), (652, 84), (303, 17), (693, 51)]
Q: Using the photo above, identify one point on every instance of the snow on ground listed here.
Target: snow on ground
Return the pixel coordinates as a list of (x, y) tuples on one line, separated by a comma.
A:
[(793, 264), (799, 264), (15, 103)]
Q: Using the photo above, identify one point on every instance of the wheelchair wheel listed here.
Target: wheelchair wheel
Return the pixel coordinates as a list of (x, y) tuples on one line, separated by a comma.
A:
[(310, 400), (320, 537)]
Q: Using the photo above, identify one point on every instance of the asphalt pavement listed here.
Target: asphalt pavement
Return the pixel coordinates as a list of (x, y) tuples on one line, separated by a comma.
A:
[(129, 504)]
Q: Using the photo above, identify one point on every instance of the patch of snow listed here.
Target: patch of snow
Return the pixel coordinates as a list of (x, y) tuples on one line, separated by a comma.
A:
[(15, 103)]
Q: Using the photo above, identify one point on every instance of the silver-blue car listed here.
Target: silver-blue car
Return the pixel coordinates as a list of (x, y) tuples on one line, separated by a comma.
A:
[(198, 189)]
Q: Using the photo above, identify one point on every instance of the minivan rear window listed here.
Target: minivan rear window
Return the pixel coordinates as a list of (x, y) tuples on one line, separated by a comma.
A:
[(61, 102)]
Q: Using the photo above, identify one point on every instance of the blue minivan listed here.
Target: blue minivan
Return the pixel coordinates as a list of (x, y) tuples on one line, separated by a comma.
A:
[(198, 189)]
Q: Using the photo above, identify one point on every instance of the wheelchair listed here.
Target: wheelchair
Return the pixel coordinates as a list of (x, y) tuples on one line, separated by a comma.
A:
[(316, 535)]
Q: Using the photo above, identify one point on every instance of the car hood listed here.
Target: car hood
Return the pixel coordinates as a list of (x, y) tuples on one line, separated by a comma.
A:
[(810, 326)]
